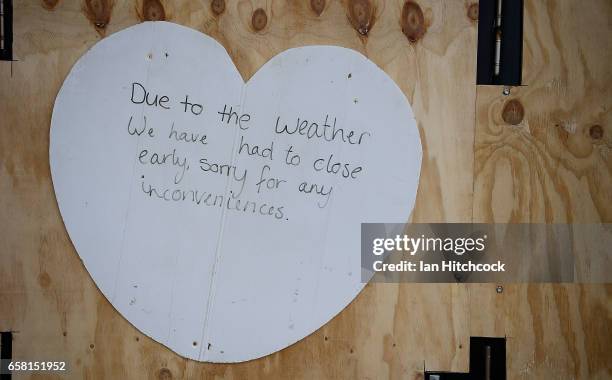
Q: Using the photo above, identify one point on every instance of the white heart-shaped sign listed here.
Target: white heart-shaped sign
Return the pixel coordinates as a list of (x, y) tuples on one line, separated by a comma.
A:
[(222, 219)]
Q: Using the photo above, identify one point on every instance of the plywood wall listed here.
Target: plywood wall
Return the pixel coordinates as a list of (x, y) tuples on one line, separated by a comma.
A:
[(554, 165)]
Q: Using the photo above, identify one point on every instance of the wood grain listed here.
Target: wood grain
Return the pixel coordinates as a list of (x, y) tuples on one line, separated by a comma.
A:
[(551, 168), (547, 168)]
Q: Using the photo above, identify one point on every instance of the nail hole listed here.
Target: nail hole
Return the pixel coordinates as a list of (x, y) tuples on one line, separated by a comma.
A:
[(361, 15)]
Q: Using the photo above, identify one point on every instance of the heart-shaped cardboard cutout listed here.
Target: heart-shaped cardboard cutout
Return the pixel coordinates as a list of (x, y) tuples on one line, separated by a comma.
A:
[(222, 219)]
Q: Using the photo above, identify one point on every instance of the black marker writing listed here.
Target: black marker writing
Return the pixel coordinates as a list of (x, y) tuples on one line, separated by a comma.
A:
[(140, 95)]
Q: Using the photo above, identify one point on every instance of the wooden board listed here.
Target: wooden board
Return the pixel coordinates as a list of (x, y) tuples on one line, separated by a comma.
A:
[(553, 166), (475, 167)]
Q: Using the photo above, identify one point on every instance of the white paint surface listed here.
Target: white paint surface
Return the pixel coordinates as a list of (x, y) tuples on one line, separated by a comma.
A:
[(240, 285)]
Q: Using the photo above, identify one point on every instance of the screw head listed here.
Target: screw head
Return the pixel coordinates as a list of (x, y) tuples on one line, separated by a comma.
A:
[(499, 289), (506, 91)]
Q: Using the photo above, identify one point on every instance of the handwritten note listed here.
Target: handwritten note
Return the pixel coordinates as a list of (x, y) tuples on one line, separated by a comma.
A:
[(222, 218), (257, 172)]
